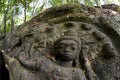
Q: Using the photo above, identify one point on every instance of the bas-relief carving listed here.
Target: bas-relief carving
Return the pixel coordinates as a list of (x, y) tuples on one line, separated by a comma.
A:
[(74, 56), (66, 51)]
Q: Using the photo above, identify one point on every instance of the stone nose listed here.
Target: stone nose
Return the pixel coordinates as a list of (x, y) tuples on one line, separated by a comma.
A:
[(67, 49)]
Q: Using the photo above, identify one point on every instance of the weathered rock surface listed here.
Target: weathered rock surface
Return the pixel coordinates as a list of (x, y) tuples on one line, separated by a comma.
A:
[(28, 50)]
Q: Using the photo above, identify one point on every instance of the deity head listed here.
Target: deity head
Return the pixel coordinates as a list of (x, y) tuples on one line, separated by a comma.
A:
[(66, 48), (108, 51)]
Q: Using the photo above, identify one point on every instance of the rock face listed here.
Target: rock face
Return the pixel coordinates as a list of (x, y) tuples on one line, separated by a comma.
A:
[(71, 42)]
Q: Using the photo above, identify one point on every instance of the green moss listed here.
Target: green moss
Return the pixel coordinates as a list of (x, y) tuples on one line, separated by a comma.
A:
[(77, 17)]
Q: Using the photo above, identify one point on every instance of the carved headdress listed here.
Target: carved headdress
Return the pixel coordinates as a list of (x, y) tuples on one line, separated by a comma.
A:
[(69, 35)]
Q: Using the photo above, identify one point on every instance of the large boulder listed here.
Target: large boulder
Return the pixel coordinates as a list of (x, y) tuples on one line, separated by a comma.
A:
[(28, 51)]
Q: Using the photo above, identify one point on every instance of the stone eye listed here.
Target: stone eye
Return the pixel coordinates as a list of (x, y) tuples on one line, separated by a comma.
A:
[(73, 47), (62, 46)]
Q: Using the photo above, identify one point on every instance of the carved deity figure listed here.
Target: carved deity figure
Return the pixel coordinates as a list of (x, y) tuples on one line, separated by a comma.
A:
[(66, 51)]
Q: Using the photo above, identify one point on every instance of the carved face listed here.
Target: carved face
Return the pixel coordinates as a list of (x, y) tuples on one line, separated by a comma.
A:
[(67, 50), (109, 51)]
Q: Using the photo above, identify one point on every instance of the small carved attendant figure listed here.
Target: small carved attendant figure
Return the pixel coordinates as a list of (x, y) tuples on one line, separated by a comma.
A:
[(66, 51), (108, 51)]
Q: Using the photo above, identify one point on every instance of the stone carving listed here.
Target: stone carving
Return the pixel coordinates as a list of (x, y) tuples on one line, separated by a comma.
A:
[(108, 51), (72, 44), (66, 50)]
